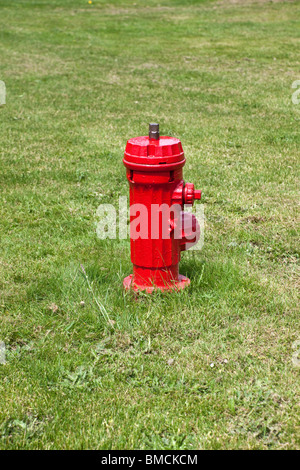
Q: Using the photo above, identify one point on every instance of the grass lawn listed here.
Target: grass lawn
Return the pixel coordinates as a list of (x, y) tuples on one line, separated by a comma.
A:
[(211, 367)]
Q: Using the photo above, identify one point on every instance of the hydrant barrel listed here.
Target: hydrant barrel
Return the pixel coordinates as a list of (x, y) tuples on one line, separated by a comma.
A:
[(159, 230)]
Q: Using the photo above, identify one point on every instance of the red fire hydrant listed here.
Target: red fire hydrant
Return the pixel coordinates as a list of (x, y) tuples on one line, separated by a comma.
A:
[(159, 229)]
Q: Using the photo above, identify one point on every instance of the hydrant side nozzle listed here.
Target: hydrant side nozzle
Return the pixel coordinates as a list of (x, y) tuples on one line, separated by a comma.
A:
[(154, 131), (190, 194)]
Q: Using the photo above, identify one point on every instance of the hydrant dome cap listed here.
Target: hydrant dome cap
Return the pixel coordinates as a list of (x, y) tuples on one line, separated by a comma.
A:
[(142, 150)]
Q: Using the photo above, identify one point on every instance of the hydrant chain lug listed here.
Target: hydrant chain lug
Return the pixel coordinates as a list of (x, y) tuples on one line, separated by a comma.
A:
[(154, 166)]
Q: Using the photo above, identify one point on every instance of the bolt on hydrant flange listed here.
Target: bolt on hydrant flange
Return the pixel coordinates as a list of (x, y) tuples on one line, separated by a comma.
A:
[(157, 196)]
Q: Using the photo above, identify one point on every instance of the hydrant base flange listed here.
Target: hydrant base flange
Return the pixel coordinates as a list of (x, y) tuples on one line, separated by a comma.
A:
[(182, 282)]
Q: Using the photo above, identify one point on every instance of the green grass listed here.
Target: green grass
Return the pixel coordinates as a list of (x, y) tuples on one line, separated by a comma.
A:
[(81, 79)]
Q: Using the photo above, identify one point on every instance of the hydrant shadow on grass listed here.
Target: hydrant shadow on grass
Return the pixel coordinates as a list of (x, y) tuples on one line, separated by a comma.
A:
[(194, 269)]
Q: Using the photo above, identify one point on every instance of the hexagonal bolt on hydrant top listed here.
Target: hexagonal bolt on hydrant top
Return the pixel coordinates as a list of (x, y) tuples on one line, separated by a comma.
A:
[(159, 229)]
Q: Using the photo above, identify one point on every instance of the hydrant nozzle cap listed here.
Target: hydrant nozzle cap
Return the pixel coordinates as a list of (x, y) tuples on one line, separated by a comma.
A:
[(153, 131)]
